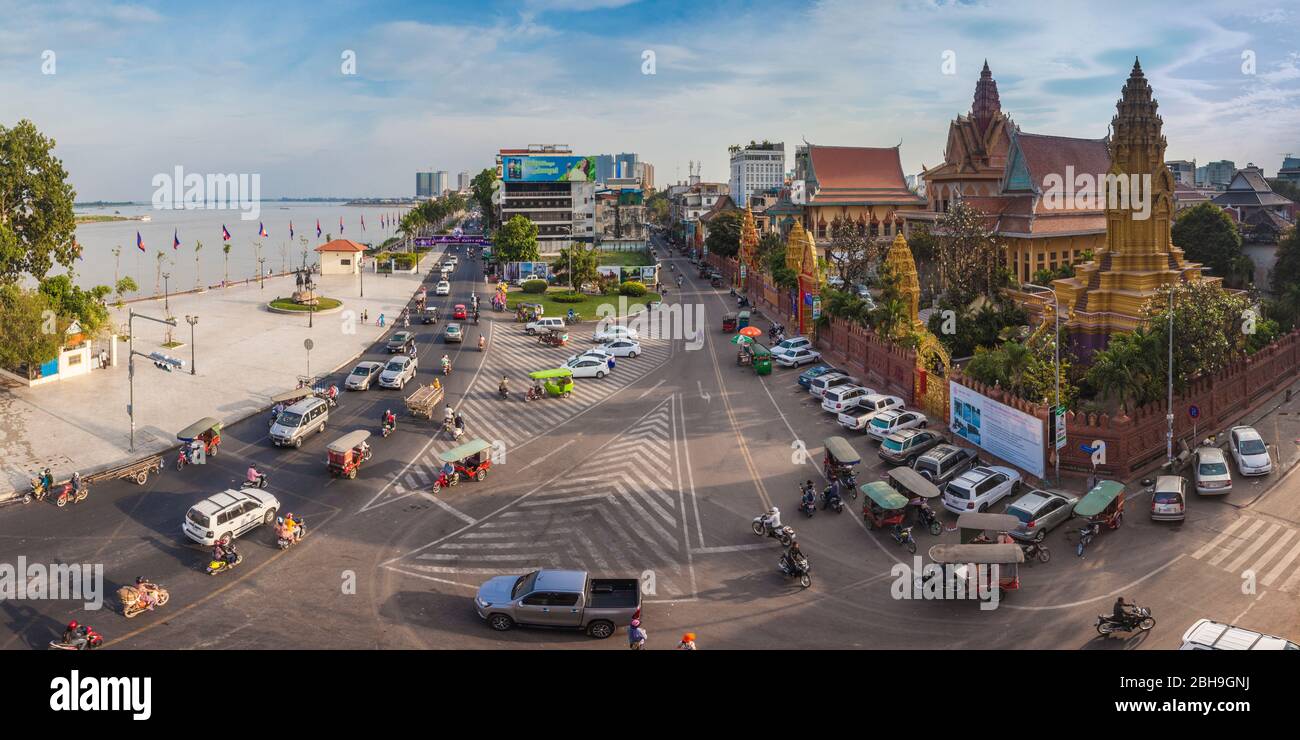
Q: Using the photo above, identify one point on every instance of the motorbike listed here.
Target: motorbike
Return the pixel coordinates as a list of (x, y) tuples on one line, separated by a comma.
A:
[(445, 481), (38, 492), (503, 391), (132, 603), (808, 507), (903, 536), (534, 394), (926, 516), (387, 428), (449, 426), (784, 535), (741, 301), (446, 368), (1086, 533), (1036, 549), (89, 641), (67, 494), (284, 542), (232, 559), (481, 343), (1140, 619), (801, 570), (834, 503), (330, 395), (262, 481)]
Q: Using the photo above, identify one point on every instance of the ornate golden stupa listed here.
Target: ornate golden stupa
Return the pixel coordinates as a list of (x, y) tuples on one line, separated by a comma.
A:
[(748, 246), (900, 260), (1107, 295), (932, 361)]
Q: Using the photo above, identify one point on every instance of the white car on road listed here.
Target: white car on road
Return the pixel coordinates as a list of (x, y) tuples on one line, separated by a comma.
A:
[(891, 420), (397, 372), (797, 357), (229, 513), (443, 288), (979, 488), (363, 375), (624, 348), (790, 346), (595, 353), (1249, 450), (613, 332), (588, 367)]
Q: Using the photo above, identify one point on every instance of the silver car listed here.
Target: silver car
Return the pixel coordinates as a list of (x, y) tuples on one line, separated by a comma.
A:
[(1211, 472), (363, 375), (1040, 512), (398, 372)]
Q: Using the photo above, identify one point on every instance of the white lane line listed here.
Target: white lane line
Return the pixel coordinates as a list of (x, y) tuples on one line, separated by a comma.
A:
[(1264, 559), (731, 548), (448, 508), (1292, 581), (1281, 566), (690, 474), (1225, 534), (1122, 589), (1259, 542), (431, 578)]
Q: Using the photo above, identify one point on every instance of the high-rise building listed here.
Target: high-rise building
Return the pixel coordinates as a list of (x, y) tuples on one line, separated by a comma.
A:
[(441, 183), (645, 172), (755, 168), (462, 182), (1216, 174), (424, 184), (1290, 170), (1183, 171), (553, 188), (610, 166)]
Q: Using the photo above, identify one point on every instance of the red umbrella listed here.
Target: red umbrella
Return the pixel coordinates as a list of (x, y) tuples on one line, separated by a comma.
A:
[(752, 331)]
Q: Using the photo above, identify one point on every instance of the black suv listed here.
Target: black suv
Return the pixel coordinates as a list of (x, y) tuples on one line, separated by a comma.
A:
[(945, 462)]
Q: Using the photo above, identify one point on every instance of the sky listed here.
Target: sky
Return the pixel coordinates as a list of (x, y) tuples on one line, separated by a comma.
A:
[(256, 87)]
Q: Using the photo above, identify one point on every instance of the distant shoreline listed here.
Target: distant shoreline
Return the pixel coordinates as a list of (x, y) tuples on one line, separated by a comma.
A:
[(101, 218)]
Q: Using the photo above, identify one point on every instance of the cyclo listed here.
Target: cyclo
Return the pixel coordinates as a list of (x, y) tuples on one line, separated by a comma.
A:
[(471, 460), (559, 382), (920, 491), (838, 463), (884, 506), (205, 432), (345, 454)]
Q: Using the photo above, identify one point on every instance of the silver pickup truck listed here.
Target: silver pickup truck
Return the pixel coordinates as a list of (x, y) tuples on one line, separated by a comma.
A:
[(559, 598)]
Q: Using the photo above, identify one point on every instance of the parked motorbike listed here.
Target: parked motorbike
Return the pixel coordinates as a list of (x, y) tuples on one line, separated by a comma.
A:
[(930, 520), (445, 481), (1086, 533), (1140, 619), (1036, 549), (903, 536), (89, 641), (799, 569), (835, 503), (133, 603), (67, 494), (784, 535), (220, 566), (534, 394)]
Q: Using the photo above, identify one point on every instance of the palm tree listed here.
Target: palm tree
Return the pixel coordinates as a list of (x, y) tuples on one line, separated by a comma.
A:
[(891, 317), (1018, 358), (1128, 369), (117, 261), (197, 246), (225, 249), (157, 277)]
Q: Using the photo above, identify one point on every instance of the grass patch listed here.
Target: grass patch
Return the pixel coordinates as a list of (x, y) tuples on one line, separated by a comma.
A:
[(322, 304), (172, 345), (587, 307)]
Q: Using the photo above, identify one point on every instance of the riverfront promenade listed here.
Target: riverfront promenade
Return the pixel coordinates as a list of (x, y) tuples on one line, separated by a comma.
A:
[(244, 354)]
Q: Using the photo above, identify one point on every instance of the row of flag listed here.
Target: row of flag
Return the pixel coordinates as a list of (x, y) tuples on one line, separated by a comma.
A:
[(385, 221)]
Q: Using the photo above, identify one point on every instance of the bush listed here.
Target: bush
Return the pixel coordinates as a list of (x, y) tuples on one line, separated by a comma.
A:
[(632, 289), (534, 286), (568, 297)]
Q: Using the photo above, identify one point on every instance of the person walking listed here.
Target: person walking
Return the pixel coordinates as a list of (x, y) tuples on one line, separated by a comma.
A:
[(688, 642), (636, 636), (381, 320), (610, 363)]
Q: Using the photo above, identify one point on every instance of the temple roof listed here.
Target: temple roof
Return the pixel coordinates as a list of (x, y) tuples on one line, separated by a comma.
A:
[(1043, 155), (847, 175), (1249, 188)]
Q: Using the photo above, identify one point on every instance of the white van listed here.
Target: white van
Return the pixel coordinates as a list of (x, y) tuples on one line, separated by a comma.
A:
[(294, 423), (1207, 634)]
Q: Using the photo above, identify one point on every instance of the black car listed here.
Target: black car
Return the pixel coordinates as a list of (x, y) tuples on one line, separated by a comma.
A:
[(944, 462)]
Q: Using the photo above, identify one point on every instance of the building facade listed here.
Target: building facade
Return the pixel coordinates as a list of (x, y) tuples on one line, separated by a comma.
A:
[(462, 182), (424, 184), (1216, 174), (755, 168), (441, 183), (553, 188), (1249, 199), (859, 187), (1290, 170), (1184, 172)]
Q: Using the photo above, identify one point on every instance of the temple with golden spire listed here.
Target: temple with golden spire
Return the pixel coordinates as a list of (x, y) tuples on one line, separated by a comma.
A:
[(1107, 295)]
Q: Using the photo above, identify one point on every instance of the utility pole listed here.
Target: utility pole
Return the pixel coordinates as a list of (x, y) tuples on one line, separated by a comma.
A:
[(1169, 415), (1056, 311)]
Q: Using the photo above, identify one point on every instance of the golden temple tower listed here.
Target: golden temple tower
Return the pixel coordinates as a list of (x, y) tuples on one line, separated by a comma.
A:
[(900, 260), (795, 246), (1107, 295)]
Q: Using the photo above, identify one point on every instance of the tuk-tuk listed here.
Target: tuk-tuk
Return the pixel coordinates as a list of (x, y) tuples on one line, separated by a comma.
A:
[(559, 382), (1104, 503), (471, 460), (729, 323), (205, 431), (1007, 558), (430, 315), (742, 320), (345, 454), (289, 398), (838, 462), (884, 506), (975, 528), (919, 491), (553, 338), (528, 311), (761, 359)]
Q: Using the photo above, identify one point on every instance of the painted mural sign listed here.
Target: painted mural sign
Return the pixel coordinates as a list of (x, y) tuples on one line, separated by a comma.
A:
[(997, 428)]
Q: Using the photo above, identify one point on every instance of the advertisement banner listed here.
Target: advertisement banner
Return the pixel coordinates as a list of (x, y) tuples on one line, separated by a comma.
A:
[(432, 241), (558, 168), (997, 428), (527, 271)]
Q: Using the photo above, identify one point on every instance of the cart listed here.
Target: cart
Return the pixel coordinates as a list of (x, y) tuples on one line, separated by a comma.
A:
[(424, 401), (137, 471), (729, 323), (762, 359), (742, 320)]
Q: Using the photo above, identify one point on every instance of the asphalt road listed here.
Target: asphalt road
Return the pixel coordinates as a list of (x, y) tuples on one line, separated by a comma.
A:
[(656, 471)]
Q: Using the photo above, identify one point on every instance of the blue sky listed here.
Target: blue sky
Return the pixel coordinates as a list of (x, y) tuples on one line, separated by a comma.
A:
[(256, 87)]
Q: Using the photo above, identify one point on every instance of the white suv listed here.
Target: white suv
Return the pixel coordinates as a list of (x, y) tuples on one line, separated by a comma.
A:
[(893, 420), (544, 324), (979, 488), (843, 398), (823, 384), (230, 513), (790, 345)]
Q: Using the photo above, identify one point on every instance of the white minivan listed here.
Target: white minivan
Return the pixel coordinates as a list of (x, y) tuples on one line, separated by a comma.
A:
[(295, 422)]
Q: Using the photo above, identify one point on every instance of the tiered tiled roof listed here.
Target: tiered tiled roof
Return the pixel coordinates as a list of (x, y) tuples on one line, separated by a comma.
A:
[(857, 175)]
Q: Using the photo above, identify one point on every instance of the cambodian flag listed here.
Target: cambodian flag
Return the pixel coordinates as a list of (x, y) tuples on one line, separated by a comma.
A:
[(290, 229), (139, 241), (340, 224), (176, 240), (225, 234), (261, 229), (318, 228), (363, 222)]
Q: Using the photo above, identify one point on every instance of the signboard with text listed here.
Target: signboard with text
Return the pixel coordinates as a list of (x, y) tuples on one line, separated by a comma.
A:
[(433, 241), (998, 428), (549, 168)]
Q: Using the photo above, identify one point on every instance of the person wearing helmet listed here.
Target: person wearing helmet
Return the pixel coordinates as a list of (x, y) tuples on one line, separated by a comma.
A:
[(224, 549), (299, 526), (390, 419), (291, 526), (808, 499), (71, 632), (636, 635), (772, 519), (688, 642)]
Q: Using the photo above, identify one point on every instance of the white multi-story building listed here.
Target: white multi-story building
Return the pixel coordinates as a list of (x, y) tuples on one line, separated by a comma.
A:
[(755, 168), (544, 184), (441, 183), (462, 182)]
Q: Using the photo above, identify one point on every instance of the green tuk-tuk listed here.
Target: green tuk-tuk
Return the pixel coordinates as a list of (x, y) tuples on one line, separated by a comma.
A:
[(742, 320), (559, 382), (914, 485), (884, 506), (1104, 503)]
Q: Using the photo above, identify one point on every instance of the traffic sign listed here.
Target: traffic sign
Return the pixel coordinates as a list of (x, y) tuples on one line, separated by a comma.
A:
[(1193, 411), (1060, 427), (308, 344)]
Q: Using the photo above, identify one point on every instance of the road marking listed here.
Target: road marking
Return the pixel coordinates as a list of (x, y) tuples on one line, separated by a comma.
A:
[(1122, 589), (1281, 566), (448, 507), (703, 394), (730, 548), (651, 388), (1259, 542), (1264, 559), (1225, 534), (1232, 544)]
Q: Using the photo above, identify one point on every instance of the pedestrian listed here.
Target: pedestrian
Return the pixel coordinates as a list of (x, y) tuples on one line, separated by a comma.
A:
[(611, 363), (636, 636), (381, 320), (688, 642)]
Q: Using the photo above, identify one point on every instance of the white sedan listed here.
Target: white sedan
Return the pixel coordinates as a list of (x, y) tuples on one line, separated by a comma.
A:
[(797, 357), (443, 288), (588, 367), (1250, 451), (596, 353), (613, 332), (623, 348)]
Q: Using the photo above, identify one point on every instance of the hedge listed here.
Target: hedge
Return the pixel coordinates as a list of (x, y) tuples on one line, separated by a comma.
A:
[(568, 297), (632, 289), (534, 286)]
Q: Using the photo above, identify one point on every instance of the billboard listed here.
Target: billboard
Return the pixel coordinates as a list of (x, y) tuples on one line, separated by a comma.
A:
[(527, 271), (997, 428), (551, 168)]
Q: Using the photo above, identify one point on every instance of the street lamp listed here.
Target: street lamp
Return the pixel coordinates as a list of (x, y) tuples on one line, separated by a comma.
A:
[(192, 320), (1056, 312), (157, 358), (261, 272), (167, 310)]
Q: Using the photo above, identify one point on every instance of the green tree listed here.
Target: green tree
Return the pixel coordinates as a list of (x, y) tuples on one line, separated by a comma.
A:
[(657, 208), (70, 303), (29, 336), (1206, 234), (1129, 370), (515, 241), (969, 255), (1286, 271), (124, 286), (37, 226), (481, 187), (724, 234), (225, 250), (891, 316), (583, 261)]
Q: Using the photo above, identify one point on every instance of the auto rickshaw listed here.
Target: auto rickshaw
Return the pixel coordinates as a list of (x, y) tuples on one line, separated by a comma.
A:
[(471, 460), (975, 528), (838, 463), (729, 323), (742, 320), (1002, 562), (553, 338), (206, 431), (559, 382), (346, 453), (528, 311), (919, 492), (884, 506), (1103, 504), (761, 359)]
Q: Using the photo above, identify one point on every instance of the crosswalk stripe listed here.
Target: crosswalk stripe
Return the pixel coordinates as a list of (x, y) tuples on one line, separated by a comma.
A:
[(1225, 534), (1264, 559), (1291, 582), (1232, 544), (1281, 566), (1254, 547)]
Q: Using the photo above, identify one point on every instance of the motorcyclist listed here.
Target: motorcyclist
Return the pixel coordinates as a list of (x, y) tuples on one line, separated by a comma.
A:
[(772, 519), (292, 527), (224, 550), (794, 559), (808, 499), (448, 415), (76, 482), (254, 475), (446, 364), (47, 480), (390, 419), (448, 470), (833, 492), (482, 342), (460, 422), (504, 386), (148, 592), (1123, 611), (74, 631), (536, 390), (332, 393)]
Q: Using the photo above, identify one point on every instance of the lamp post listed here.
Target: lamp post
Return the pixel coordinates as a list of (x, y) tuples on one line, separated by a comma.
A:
[(130, 363), (191, 320), (167, 310), (261, 273), (1056, 312)]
